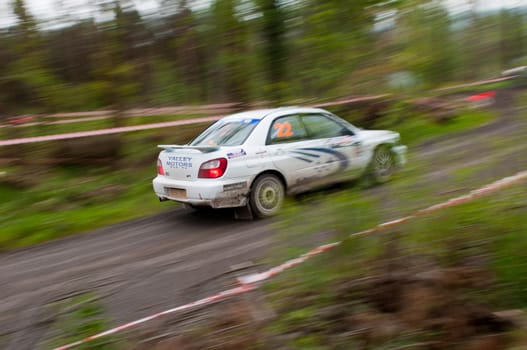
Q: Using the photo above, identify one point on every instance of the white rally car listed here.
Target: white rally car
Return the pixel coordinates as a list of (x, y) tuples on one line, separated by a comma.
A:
[(250, 160)]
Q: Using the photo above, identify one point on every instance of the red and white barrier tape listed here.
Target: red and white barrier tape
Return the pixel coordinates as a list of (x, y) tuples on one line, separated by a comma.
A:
[(476, 83), (75, 135), (249, 282)]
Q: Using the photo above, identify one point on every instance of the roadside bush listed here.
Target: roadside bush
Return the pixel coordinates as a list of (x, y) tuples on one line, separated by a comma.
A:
[(88, 151)]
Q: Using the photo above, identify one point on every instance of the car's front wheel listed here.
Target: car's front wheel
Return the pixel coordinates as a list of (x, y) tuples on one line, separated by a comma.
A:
[(382, 164), (267, 195)]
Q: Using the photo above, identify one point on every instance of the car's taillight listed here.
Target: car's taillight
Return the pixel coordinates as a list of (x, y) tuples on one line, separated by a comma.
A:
[(213, 168), (160, 169)]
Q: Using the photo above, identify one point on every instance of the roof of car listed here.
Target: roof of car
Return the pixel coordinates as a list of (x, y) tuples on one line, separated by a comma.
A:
[(262, 113)]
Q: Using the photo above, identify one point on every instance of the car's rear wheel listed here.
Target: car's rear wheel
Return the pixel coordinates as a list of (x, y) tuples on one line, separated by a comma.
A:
[(267, 195), (382, 164)]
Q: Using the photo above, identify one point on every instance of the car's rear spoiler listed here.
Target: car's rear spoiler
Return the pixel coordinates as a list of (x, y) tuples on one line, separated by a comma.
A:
[(202, 149)]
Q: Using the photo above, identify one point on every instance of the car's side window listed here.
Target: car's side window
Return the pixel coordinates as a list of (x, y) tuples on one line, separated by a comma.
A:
[(320, 127), (286, 129)]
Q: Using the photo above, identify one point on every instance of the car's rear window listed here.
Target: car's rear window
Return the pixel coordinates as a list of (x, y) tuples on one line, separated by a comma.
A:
[(226, 133)]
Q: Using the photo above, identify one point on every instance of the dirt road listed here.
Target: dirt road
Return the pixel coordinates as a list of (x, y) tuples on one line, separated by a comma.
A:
[(154, 263), (137, 266)]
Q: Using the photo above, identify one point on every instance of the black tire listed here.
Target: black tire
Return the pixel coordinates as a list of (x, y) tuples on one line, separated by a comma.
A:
[(267, 195), (382, 165)]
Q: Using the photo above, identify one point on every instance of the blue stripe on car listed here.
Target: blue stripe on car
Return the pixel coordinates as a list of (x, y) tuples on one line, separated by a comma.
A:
[(307, 154), (343, 160), (304, 159)]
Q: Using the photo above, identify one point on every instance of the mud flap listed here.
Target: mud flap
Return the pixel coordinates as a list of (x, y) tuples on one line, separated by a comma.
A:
[(244, 213)]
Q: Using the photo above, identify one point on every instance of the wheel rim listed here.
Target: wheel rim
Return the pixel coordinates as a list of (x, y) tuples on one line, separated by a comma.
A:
[(383, 163), (269, 196)]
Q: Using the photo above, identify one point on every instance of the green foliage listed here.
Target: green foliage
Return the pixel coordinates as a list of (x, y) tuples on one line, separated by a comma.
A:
[(80, 317), (168, 89), (242, 51), (426, 41), (492, 228), (275, 51), (416, 127), (309, 342)]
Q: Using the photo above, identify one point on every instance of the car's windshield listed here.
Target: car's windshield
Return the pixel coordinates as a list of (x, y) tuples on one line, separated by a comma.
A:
[(226, 133)]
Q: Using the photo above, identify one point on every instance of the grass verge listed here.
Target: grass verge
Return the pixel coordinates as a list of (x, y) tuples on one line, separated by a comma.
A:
[(77, 318)]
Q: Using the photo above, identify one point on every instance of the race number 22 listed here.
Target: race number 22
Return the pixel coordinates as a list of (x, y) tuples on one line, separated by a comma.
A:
[(283, 129)]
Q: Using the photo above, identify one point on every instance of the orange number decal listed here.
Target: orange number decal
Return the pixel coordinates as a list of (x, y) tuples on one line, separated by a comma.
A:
[(284, 129)]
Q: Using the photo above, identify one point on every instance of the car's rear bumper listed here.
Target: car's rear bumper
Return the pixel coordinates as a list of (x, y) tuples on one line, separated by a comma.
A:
[(213, 193), (400, 154)]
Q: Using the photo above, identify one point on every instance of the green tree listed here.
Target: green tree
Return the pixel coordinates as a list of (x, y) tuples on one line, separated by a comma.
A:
[(511, 46), (186, 50), (229, 48), (26, 22), (424, 39), (331, 39), (275, 53), (27, 77)]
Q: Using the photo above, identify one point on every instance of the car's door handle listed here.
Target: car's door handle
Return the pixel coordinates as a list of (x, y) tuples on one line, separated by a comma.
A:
[(357, 143)]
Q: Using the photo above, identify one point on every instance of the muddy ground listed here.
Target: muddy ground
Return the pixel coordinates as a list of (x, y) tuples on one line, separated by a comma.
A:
[(151, 264)]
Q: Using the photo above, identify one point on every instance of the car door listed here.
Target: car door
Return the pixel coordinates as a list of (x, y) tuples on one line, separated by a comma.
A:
[(286, 145), (340, 146)]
